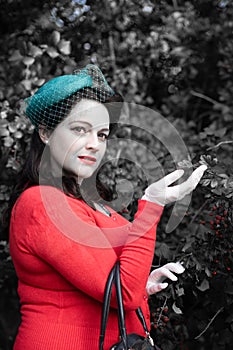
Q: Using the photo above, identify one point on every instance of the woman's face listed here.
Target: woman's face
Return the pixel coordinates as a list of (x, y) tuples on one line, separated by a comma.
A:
[(78, 143)]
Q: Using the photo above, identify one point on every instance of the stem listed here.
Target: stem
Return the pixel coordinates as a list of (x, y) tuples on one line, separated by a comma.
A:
[(175, 4), (161, 312), (211, 321), (112, 53), (204, 97), (219, 144), (198, 212)]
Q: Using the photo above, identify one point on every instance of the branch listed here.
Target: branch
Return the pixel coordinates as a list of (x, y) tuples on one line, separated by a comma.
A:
[(161, 311), (211, 321), (200, 210), (175, 5), (112, 53), (204, 97), (219, 144)]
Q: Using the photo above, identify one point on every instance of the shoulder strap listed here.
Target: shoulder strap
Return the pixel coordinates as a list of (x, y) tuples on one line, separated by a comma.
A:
[(120, 310), (114, 276), (106, 305)]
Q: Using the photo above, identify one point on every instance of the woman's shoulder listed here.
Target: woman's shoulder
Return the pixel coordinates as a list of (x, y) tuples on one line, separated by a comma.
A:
[(34, 194), (48, 197), (38, 196)]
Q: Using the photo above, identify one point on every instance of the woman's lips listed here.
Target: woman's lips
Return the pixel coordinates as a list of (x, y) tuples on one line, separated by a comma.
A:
[(87, 160)]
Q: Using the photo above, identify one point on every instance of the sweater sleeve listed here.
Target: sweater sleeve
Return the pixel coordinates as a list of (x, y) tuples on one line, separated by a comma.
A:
[(79, 250)]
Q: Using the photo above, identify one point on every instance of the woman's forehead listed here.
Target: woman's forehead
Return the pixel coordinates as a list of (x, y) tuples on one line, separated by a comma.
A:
[(89, 111)]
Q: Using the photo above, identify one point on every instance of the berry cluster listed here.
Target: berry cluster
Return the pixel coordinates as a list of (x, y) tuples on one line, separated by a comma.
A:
[(220, 237), (160, 318), (220, 220)]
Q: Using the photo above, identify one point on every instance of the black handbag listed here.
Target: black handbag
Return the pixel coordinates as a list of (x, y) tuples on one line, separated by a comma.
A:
[(128, 341)]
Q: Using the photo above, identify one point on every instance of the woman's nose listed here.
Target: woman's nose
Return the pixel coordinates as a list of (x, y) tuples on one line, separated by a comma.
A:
[(92, 141)]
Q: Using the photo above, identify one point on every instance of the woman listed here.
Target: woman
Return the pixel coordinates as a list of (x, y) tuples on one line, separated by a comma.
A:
[(63, 240)]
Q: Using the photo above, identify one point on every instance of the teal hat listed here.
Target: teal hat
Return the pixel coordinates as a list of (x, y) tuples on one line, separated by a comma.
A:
[(53, 101)]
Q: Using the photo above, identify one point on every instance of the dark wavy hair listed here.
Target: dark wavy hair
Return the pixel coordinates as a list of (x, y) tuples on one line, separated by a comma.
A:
[(30, 174)]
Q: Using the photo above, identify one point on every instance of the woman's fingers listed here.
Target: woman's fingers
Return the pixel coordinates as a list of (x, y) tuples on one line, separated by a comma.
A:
[(180, 191), (170, 178), (175, 267), (155, 281)]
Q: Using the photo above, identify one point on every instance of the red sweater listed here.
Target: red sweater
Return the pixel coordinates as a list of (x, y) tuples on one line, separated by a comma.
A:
[(63, 251)]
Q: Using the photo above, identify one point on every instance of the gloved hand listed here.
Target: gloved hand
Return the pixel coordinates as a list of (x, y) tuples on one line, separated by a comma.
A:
[(159, 192), (155, 280)]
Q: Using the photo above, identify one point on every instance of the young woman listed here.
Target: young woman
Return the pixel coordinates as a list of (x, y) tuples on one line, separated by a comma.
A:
[(63, 240)]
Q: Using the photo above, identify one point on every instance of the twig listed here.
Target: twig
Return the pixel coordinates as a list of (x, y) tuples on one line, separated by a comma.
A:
[(198, 212), (175, 5), (204, 97), (219, 144), (112, 52), (161, 312), (211, 321)]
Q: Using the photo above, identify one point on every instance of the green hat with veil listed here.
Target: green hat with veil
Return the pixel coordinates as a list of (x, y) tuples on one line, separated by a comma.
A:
[(53, 101)]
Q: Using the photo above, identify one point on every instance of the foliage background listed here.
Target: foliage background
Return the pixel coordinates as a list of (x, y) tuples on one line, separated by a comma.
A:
[(172, 56)]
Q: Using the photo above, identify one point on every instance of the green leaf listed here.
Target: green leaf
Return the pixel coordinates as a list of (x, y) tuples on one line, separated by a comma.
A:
[(176, 309), (204, 285), (64, 47), (52, 52)]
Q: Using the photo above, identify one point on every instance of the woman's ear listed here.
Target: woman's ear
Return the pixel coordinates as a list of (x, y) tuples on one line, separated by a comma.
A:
[(44, 134)]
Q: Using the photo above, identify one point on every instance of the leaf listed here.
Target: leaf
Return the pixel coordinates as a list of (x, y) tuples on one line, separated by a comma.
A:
[(4, 132), (176, 309), (35, 51), (204, 285), (214, 183), (64, 47), (28, 61), (207, 271), (163, 250), (180, 291), (26, 84), (16, 56), (18, 134), (8, 141), (55, 37), (52, 52), (188, 244)]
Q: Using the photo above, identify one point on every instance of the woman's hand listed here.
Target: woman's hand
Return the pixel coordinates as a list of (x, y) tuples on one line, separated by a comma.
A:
[(160, 192), (155, 280)]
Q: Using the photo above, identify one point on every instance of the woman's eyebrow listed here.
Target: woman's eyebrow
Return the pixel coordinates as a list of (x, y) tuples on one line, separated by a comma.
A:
[(86, 123), (105, 129), (79, 121)]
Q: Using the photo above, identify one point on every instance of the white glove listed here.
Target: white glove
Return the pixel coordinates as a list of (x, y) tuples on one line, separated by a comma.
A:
[(155, 280), (160, 193)]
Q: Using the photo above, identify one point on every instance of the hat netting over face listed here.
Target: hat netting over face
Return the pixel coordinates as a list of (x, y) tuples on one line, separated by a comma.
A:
[(53, 101)]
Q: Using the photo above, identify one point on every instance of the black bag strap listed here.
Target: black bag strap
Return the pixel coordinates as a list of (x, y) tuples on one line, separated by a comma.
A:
[(120, 307), (114, 276), (106, 306)]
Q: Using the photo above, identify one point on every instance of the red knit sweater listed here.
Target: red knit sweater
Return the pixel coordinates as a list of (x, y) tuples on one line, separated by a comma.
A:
[(63, 251)]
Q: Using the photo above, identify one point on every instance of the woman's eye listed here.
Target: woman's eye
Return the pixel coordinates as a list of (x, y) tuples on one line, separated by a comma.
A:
[(80, 129), (102, 136)]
